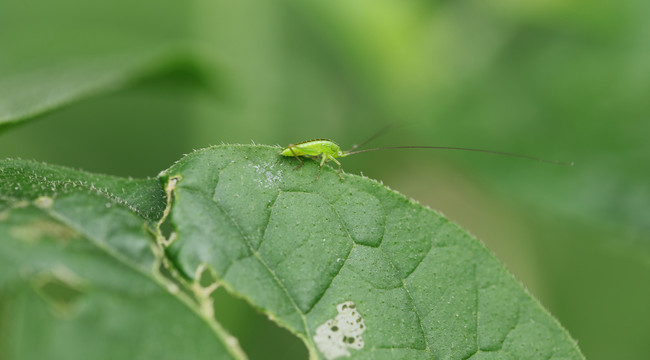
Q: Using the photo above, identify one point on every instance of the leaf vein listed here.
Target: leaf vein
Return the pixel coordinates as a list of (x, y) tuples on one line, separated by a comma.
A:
[(271, 271)]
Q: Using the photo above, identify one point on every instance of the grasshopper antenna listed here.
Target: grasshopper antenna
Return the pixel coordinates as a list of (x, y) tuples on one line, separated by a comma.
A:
[(373, 137), (456, 148)]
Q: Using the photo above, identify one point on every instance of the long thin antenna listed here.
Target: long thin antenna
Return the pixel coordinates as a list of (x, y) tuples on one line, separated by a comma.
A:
[(373, 137), (459, 148)]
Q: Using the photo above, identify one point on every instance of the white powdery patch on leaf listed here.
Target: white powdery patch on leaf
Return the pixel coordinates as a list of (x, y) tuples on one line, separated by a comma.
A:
[(336, 336), (269, 177)]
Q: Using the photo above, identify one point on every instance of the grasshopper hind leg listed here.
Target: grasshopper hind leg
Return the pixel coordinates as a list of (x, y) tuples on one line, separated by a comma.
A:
[(297, 157)]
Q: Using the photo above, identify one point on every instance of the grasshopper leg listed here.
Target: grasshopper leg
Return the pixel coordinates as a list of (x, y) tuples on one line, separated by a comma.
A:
[(297, 157), (339, 164), (322, 162)]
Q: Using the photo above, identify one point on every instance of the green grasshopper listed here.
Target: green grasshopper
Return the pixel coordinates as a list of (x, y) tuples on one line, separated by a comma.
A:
[(326, 150)]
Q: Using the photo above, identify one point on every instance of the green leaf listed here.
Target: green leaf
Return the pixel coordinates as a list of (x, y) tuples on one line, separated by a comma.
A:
[(28, 180), (323, 257), (68, 51), (78, 275), (24, 96)]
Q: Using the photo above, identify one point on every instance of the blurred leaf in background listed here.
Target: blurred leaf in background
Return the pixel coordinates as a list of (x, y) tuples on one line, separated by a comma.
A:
[(144, 82)]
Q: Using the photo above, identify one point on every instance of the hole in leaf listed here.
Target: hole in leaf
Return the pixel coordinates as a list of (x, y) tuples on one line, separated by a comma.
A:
[(61, 295), (167, 228), (206, 278)]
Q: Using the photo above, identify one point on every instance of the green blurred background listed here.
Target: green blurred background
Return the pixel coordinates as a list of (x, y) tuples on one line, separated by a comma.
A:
[(142, 83)]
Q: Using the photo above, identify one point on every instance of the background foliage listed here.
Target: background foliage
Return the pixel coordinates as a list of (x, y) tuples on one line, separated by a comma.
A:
[(126, 88)]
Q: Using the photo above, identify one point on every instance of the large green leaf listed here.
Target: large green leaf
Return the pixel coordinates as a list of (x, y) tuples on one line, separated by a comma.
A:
[(78, 276), (304, 250)]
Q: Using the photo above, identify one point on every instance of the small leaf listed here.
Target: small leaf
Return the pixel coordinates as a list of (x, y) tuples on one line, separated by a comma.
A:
[(298, 248), (29, 180)]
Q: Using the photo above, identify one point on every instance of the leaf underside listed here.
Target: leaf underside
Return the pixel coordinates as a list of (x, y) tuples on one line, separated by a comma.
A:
[(77, 271)]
